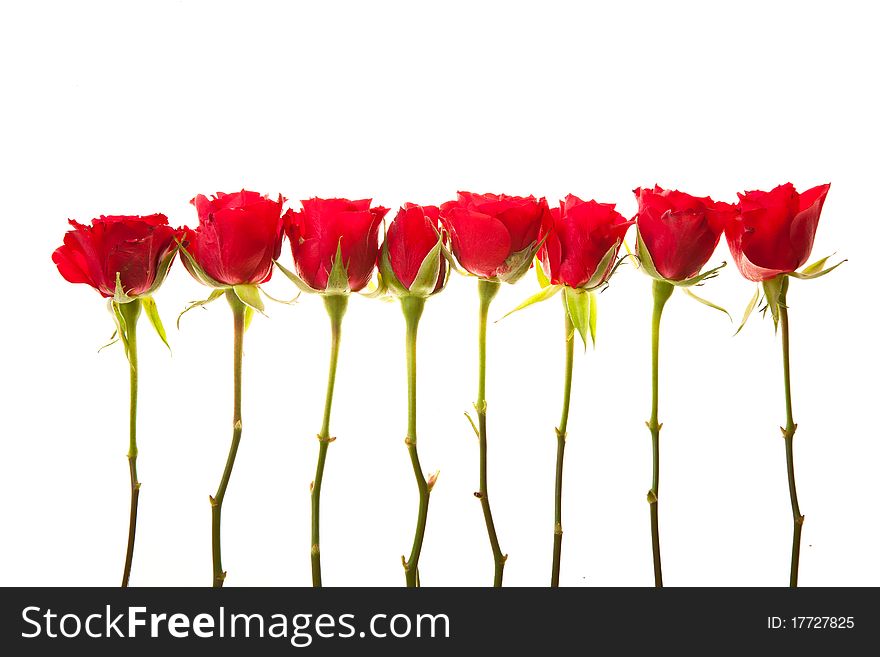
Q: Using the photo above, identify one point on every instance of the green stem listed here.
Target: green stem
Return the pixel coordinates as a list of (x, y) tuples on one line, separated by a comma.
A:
[(335, 305), (561, 432), (788, 434), (662, 291), (412, 311), (487, 291), (130, 313), (238, 316)]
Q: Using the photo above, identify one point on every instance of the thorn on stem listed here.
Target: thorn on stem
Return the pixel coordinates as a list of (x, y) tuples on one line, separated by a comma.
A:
[(478, 495), (432, 479), (788, 434)]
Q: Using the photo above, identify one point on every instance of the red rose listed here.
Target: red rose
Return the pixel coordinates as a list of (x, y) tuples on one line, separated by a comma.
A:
[(495, 236), (413, 241), (138, 249), (581, 242), (679, 231), (327, 225), (238, 237), (774, 231)]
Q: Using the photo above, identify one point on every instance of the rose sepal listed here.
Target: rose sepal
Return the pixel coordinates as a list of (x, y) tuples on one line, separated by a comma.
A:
[(816, 269), (337, 281), (125, 316), (647, 265), (162, 271), (774, 293), (215, 294), (424, 284), (152, 313), (388, 278), (542, 295), (249, 295), (599, 279), (518, 263), (580, 304), (197, 271), (145, 302), (296, 280)]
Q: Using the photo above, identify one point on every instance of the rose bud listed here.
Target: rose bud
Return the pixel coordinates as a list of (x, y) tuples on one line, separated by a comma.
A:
[(581, 242), (335, 243), (238, 238), (677, 233), (125, 254), (774, 231), (411, 259), (495, 237)]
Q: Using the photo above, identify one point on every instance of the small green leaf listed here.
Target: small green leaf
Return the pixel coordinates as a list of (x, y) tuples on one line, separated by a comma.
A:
[(215, 294), (542, 295), (804, 276), (543, 281), (337, 281), (248, 317), (706, 302), (296, 280), (250, 296), (750, 308), (426, 278), (577, 303), (152, 312)]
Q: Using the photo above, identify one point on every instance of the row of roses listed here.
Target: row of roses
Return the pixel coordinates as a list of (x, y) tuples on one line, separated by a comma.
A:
[(496, 238)]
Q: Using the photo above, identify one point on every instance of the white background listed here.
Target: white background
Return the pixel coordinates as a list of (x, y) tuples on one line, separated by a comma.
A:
[(119, 108)]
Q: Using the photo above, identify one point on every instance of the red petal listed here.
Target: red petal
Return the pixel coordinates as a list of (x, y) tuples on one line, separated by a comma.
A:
[(411, 236), (481, 243)]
